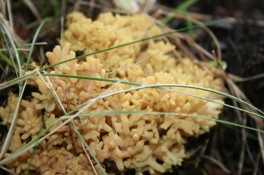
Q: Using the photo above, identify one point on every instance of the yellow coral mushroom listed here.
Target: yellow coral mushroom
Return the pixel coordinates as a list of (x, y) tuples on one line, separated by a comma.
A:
[(130, 141)]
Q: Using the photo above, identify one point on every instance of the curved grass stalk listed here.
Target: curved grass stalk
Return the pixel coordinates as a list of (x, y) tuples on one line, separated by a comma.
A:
[(104, 113), (25, 47), (52, 90), (111, 48), (175, 85), (201, 25), (212, 35), (180, 8), (92, 78), (43, 135), (35, 39), (31, 73), (15, 81), (213, 91), (132, 42), (245, 79)]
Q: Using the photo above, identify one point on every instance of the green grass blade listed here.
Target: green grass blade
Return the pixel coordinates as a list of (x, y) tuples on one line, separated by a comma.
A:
[(167, 114), (79, 77), (132, 43), (91, 152), (17, 80), (38, 139), (87, 105), (175, 86), (182, 8), (6, 60), (34, 40), (10, 44)]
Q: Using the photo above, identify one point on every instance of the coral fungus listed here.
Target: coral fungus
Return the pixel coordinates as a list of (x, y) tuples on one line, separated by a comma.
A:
[(152, 142)]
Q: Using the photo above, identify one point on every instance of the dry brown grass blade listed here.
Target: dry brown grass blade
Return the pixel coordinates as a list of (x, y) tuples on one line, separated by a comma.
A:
[(218, 163), (245, 79), (195, 19), (234, 90), (261, 144), (3, 7), (241, 95)]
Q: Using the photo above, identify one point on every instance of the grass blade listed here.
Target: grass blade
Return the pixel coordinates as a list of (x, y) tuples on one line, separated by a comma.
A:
[(182, 8), (13, 123), (174, 85), (10, 44), (86, 105), (34, 40), (17, 80)]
